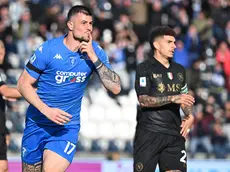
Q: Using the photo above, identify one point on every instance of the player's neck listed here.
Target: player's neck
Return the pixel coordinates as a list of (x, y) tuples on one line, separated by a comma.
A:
[(163, 60), (71, 44)]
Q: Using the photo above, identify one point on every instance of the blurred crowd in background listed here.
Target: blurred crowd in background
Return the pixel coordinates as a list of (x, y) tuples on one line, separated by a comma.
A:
[(122, 28)]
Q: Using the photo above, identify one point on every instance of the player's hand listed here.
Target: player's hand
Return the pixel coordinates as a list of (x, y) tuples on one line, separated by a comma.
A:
[(58, 116), (87, 47), (186, 125), (9, 99), (185, 99)]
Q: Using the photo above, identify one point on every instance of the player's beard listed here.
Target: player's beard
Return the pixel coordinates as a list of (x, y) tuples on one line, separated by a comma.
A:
[(81, 38)]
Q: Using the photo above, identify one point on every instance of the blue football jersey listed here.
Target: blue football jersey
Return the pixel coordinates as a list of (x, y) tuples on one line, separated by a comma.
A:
[(62, 76)]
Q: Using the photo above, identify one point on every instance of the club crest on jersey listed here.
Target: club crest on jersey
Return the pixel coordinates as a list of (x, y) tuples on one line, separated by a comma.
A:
[(73, 61), (84, 56), (180, 77), (142, 81), (139, 166), (170, 75)]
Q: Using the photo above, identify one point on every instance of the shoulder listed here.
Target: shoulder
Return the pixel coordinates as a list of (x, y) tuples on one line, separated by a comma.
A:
[(54, 42), (96, 46), (177, 66), (143, 65)]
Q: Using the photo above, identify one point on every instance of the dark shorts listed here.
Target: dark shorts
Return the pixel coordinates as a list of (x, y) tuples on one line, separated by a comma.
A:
[(152, 148), (3, 147)]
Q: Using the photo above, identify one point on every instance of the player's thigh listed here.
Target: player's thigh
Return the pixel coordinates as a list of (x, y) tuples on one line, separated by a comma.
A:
[(53, 162), (3, 166), (33, 142), (147, 145), (58, 155), (174, 157)]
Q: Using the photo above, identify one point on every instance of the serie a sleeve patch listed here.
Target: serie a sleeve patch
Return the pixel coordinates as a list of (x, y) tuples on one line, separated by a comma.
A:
[(142, 81)]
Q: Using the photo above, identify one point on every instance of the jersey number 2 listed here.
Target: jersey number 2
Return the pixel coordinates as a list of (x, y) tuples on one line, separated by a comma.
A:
[(183, 158), (69, 148)]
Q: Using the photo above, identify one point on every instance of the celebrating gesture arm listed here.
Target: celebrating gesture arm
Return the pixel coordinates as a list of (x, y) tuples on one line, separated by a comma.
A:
[(109, 78)]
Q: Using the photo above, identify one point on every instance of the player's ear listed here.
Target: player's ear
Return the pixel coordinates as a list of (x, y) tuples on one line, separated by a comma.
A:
[(156, 44), (70, 25)]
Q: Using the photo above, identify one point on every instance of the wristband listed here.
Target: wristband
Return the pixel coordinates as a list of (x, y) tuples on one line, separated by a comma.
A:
[(98, 64)]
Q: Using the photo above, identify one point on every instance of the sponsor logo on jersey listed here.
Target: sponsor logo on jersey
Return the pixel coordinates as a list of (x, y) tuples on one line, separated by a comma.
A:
[(73, 77), (161, 87), (58, 56), (168, 87), (156, 75)]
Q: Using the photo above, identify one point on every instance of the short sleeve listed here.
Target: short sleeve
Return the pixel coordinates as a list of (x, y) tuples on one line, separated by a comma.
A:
[(38, 61), (142, 81), (101, 54)]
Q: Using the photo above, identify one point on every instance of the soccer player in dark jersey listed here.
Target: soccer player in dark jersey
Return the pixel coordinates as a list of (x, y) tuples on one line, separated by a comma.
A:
[(161, 89), (6, 92), (61, 67)]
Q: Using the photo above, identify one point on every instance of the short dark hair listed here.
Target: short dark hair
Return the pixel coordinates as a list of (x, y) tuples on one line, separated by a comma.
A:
[(79, 9), (160, 31)]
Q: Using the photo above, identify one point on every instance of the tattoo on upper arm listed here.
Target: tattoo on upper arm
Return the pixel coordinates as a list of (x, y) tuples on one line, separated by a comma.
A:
[(148, 101), (32, 168), (187, 110), (108, 77)]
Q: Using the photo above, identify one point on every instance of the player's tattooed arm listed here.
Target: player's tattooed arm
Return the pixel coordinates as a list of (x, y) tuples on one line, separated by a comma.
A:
[(109, 78), (149, 101), (187, 110), (32, 168)]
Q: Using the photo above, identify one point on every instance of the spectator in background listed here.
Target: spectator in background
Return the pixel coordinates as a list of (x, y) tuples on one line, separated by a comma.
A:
[(219, 142), (181, 55), (203, 25), (227, 31), (192, 43), (26, 28), (223, 57), (200, 135)]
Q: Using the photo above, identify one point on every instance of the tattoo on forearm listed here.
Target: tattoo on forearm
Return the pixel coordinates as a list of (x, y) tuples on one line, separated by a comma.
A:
[(187, 110), (108, 77), (32, 168), (148, 101)]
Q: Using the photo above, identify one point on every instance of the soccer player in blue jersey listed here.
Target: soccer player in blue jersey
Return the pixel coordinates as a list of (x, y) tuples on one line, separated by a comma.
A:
[(61, 67)]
